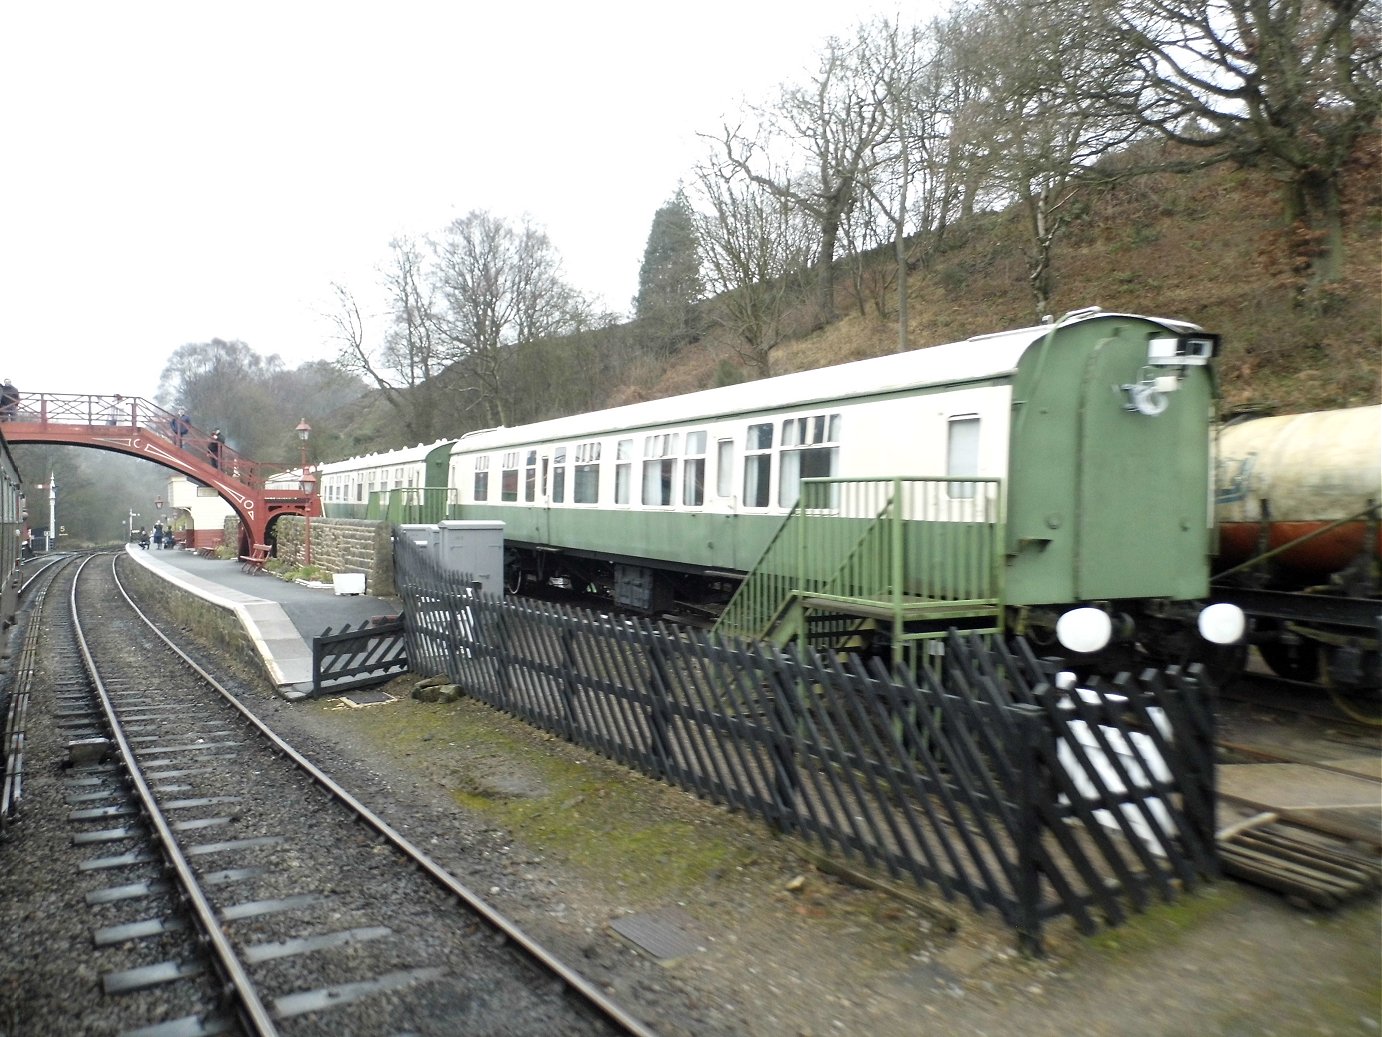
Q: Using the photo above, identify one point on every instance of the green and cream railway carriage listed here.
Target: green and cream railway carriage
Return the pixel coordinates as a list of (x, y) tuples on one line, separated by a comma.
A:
[(404, 485), (1055, 479)]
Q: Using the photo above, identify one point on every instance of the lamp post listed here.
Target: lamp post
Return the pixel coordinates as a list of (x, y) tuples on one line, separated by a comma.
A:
[(304, 430), (52, 487)]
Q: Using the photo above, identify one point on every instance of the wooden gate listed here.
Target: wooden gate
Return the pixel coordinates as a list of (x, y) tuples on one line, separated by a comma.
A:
[(371, 653)]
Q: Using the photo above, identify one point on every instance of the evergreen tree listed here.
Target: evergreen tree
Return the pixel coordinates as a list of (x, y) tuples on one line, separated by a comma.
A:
[(669, 282)]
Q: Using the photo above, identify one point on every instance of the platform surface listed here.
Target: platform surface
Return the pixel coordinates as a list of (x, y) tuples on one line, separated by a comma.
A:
[(280, 617)]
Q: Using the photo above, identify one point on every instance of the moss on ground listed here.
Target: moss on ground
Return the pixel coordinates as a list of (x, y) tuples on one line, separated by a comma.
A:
[(561, 799)]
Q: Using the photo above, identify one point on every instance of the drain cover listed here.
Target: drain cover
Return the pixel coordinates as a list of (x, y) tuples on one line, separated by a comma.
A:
[(663, 934)]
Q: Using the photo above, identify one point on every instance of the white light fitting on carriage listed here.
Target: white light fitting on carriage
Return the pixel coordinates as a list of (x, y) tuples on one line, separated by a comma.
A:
[(1084, 629), (1222, 623), (1149, 394), (1182, 350)]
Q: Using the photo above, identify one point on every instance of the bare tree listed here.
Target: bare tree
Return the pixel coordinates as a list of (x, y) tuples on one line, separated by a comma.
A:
[(1035, 127), (227, 385), (402, 360), (498, 286), (833, 122), (911, 183), (755, 250), (1290, 84)]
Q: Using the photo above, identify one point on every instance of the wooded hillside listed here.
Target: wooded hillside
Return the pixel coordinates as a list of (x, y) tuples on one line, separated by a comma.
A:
[(1198, 247)]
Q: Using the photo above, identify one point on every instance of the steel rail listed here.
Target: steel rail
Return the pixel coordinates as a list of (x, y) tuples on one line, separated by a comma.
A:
[(250, 1007), (16, 718), (544, 958)]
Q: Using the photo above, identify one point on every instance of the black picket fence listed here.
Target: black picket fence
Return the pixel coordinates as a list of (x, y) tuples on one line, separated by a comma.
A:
[(978, 777), (373, 652)]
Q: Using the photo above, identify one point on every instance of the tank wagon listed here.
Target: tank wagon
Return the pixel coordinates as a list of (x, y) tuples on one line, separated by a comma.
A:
[(1080, 448), (1300, 540), (405, 485)]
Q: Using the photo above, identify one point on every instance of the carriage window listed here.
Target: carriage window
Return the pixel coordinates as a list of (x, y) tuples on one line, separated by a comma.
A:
[(508, 486), (530, 477), (585, 480), (758, 466), (482, 478), (807, 453), (724, 467), (559, 475), (962, 454), (623, 467), (693, 471), (659, 468)]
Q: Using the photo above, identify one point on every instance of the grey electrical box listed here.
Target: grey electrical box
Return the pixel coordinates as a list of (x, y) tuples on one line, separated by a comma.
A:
[(426, 537), (475, 548)]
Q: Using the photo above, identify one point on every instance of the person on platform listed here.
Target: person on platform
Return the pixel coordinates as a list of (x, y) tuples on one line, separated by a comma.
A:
[(143, 538), (9, 401)]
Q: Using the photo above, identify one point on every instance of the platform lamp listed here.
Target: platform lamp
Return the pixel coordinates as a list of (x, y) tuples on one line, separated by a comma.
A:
[(308, 484)]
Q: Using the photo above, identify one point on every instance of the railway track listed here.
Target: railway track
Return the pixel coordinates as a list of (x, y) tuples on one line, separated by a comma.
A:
[(191, 873), (1271, 718)]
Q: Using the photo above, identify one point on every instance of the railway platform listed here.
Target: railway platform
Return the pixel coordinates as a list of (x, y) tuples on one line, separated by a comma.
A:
[(280, 617)]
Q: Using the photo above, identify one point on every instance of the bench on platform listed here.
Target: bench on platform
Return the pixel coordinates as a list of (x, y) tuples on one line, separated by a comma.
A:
[(254, 561), (207, 552)]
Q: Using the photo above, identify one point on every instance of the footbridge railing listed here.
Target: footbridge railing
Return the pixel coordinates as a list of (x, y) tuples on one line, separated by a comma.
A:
[(92, 415), (258, 491)]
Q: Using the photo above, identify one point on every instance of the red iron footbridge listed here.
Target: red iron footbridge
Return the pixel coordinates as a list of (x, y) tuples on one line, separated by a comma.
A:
[(138, 427)]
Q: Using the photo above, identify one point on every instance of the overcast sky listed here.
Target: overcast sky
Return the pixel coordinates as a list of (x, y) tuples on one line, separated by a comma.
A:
[(177, 172)]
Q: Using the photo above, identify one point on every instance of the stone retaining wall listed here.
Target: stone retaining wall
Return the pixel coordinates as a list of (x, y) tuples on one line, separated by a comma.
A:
[(210, 622), (338, 546)]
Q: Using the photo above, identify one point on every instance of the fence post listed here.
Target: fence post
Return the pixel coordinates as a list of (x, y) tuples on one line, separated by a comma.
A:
[(782, 725), (1186, 704), (317, 652), (1029, 727), (568, 693), (501, 645), (659, 745)]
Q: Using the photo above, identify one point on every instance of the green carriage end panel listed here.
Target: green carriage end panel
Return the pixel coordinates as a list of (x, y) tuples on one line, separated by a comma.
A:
[(1106, 502)]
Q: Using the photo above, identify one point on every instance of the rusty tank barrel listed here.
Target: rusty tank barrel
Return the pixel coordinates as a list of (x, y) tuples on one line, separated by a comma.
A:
[(1283, 478)]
